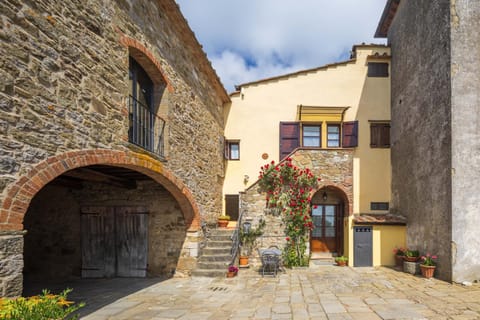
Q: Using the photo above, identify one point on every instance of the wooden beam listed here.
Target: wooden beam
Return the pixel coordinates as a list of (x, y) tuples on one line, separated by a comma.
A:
[(96, 176), (67, 182)]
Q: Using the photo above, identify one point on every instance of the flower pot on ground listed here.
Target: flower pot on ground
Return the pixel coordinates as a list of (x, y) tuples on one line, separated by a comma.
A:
[(232, 271), (243, 261), (399, 255), (341, 261), (428, 265), (222, 221)]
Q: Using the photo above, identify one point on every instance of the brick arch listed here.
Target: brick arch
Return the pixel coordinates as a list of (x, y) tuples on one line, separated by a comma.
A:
[(18, 196), (346, 194), (147, 60)]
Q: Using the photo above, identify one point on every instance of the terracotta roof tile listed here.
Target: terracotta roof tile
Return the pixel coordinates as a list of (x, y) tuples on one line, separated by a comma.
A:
[(387, 219)]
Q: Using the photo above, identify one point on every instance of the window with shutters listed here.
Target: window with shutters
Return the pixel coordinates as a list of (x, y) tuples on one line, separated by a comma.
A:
[(379, 135), (312, 135), (377, 69), (232, 149), (297, 134)]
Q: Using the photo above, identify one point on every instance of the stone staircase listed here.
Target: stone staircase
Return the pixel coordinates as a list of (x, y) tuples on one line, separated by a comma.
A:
[(216, 255)]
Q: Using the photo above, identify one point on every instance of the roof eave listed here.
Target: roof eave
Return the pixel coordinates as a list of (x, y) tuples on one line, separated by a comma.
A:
[(387, 17)]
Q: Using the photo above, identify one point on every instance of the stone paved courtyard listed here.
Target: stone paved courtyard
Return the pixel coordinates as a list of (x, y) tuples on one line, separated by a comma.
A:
[(319, 292)]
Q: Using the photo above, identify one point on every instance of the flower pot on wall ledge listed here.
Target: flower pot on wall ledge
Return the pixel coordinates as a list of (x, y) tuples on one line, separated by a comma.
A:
[(427, 271)]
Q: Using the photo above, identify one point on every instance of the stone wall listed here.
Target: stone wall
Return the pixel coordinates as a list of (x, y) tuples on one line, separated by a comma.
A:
[(334, 167), (421, 128), (65, 87), (64, 70), (465, 77)]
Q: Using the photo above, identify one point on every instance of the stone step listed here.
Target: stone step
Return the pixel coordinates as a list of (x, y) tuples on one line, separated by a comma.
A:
[(221, 237), (214, 258), (213, 265), (212, 273), (208, 251), (219, 244)]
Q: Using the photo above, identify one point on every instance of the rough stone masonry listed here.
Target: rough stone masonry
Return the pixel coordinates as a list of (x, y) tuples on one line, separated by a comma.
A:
[(63, 103)]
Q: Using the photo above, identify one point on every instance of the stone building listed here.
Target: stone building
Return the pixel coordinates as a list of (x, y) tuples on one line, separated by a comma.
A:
[(111, 121), (435, 137), (334, 120)]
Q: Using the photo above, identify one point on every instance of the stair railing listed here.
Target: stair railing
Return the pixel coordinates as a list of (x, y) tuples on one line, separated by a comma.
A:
[(236, 240)]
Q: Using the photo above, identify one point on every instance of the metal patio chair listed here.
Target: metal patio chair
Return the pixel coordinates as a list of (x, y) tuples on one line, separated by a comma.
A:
[(270, 263)]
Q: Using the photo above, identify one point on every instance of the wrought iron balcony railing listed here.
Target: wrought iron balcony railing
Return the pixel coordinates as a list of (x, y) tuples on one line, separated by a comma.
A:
[(146, 129)]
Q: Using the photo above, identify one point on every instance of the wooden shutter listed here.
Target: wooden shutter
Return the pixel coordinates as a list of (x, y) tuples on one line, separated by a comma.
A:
[(350, 134), (232, 206), (380, 135), (289, 138)]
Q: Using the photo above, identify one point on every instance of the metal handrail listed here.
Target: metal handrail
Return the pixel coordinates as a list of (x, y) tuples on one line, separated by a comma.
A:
[(236, 239), (146, 129)]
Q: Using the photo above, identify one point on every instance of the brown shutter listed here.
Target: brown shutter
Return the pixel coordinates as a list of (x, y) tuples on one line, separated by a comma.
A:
[(350, 134), (289, 138), (385, 135), (375, 135)]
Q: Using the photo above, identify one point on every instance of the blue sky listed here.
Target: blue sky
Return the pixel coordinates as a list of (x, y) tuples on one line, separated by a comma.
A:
[(255, 39)]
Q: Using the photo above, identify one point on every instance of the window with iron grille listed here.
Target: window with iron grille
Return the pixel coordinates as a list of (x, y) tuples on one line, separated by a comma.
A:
[(145, 127)]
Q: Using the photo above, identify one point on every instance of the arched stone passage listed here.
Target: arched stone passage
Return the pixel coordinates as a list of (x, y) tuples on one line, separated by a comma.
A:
[(20, 194)]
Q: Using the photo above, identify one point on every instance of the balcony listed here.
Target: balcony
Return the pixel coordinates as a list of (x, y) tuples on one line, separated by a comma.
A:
[(146, 129)]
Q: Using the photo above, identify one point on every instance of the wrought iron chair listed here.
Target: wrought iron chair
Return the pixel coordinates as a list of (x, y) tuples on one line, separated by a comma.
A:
[(270, 263)]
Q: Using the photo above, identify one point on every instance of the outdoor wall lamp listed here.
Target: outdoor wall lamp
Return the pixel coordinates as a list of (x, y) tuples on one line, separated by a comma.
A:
[(246, 178), (324, 196)]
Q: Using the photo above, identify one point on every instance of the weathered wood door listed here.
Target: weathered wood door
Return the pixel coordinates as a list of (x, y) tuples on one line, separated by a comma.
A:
[(114, 242), (131, 242), (324, 234)]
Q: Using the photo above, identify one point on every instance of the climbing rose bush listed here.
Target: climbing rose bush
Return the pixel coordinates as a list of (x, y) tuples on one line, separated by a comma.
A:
[(288, 191)]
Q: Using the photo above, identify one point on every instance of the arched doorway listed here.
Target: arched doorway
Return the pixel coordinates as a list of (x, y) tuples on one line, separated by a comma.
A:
[(329, 206), (50, 202)]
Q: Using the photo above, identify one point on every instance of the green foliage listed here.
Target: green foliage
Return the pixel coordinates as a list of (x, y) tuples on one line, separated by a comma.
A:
[(224, 217), (288, 189), (341, 259), (248, 239), (41, 307), (429, 260), (412, 253)]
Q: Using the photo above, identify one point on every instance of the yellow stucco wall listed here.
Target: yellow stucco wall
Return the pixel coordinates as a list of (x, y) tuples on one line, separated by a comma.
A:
[(385, 239), (257, 109)]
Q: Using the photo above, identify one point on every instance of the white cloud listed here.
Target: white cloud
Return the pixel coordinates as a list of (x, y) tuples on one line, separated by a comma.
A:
[(253, 39)]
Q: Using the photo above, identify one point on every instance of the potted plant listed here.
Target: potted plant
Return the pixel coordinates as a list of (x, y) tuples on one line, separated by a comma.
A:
[(248, 237), (222, 221), (232, 271), (399, 255), (427, 266), (411, 255), (341, 261)]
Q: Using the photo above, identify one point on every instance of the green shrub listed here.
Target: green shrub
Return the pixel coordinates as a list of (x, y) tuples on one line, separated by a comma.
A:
[(41, 307)]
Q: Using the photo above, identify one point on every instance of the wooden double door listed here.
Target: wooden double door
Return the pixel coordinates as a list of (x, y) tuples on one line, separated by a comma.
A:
[(114, 242), (327, 233)]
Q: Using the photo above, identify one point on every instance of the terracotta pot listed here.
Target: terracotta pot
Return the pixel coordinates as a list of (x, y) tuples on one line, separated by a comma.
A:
[(399, 262), (341, 263), (231, 274), (427, 271), (222, 223), (243, 261), (411, 259)]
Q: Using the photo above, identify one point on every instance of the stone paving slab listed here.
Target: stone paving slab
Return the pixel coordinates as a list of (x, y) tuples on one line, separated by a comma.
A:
[(319, 292)]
